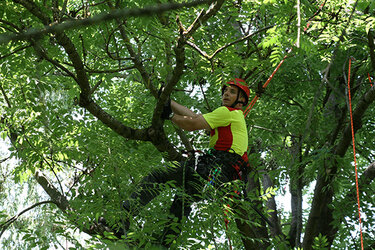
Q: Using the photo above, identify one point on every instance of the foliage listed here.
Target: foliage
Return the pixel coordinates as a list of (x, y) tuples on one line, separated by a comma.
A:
[(80, 110)]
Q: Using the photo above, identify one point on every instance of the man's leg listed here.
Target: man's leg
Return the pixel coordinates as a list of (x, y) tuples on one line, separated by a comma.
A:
[(181, 205), (151, 186)]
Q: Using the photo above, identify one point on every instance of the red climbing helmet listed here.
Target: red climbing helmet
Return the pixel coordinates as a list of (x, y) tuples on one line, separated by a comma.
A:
[(241, 84)]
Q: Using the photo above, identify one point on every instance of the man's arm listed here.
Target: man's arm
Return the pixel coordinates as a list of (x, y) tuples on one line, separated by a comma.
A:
[(190, 123), (187, 119), (181, 110)]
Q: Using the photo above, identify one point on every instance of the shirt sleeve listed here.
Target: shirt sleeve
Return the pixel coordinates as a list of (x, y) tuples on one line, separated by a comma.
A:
[(220, 117)]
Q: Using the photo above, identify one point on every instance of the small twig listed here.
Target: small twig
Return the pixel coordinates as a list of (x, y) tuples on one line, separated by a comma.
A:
[(272, 130), (5, 96), (6, 224), (15, 51), (5, 159), (44, 55), (55, 174), (96, 86), (298, 23), (210, 57), (107, 71), (204, 96)]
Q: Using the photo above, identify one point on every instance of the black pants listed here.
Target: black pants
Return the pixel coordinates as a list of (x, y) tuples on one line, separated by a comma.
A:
[(212, 168)]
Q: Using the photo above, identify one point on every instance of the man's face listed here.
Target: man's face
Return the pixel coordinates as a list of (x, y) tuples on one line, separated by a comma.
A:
[(229, 95)]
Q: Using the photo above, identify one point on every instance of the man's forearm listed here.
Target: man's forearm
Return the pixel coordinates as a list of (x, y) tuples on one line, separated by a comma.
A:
[(181, 110), (190, 123)]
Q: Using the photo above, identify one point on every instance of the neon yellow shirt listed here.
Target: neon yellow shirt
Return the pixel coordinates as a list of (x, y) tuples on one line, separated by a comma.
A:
[(228, 130)]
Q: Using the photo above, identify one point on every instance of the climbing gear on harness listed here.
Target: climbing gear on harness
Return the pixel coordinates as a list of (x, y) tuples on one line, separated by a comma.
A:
[(241, 84)]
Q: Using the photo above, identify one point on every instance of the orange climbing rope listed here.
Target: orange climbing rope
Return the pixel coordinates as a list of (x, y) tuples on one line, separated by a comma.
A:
[(355, 159), (255, 99)]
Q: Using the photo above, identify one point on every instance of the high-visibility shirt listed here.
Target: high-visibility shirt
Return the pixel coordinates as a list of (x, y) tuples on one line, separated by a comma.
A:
[(228, 130)]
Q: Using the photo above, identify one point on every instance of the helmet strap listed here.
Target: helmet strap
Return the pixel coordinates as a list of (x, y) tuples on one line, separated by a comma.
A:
[(236, 101)]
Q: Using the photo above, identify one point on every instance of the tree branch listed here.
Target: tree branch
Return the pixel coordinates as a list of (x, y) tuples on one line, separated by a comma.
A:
[(371, 45), (15, 51), (271, 205), (363, 104), (320, 214), (5, 96), (74, 24), (6, 224), (203, 17), (57, 198), (115, 125), (58, 65), (210, 57)]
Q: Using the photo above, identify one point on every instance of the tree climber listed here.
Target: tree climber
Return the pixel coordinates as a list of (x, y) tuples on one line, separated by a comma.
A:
[(227, 154)]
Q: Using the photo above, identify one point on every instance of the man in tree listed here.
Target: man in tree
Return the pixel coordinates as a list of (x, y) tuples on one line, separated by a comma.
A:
[(225, 161)]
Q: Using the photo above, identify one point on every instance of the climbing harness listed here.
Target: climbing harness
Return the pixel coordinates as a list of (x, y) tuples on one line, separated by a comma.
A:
[(355, 159)]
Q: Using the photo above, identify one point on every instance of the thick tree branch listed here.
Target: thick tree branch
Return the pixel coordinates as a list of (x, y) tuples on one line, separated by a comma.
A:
[(363, 183), (57, 198), (271, 205), (371, 45), (74, 24), (350, 199), (363, 104), (115, 125)]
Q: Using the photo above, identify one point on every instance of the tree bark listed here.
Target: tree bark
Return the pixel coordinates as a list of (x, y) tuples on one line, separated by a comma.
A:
[(364, 181), (271, 205), (249, 233), (321, 217), (296, 187), (371, 45)]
